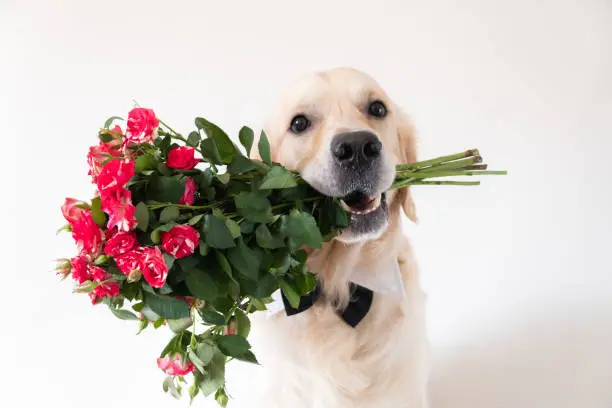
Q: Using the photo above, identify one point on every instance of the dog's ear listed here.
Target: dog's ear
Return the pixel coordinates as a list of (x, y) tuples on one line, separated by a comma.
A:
[(408, 154)]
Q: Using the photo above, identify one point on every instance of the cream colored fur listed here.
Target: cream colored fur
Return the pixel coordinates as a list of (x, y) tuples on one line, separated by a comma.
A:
[(314, 359)]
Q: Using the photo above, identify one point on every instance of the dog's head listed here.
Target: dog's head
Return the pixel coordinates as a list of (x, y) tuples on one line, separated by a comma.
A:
[(344, 135)]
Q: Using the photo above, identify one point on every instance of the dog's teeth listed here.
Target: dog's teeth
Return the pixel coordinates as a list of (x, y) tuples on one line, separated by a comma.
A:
[(345, 206), (373, 206)]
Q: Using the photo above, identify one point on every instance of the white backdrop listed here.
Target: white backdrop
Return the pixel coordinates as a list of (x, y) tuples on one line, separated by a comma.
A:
[(517, 270)]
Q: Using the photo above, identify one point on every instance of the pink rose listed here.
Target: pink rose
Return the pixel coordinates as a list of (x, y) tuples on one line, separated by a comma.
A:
[(99, 154), (154, 268), (71, 211), (182, 158), (180, 241), (87, 234), (115, 175), (189, 194), (108, 288), (175, 365), (121, 212), (141, 125), (80, 268), (120, 243), (130, 261)]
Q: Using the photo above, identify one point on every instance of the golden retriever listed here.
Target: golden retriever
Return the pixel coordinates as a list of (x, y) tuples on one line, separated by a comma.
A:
[(341, 131)]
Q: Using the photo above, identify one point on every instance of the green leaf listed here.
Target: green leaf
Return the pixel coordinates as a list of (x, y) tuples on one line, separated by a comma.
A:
[(123, 314), (204, 248), (254, 207), (215, 376), (243, 323), (163, 144), (224, 178), (224, 263), (248, 356), (301, 228), (305, 283), (96, 212), (246, 137), (212, 317), (210, 151), (165, 306), (110, 121), (146, 162), (148, 313), (194, 220), (217, 234), (264, 148), (179, 325), (292, 296), (278, 177), (240, 165), (225, 146), (233, 227), (244, 260), (143, 325), (166, 189), (199, 364), (169, 214), (142, 216), (201, 285), (205, 352), (266, 239), (194, 139), (233, 345)]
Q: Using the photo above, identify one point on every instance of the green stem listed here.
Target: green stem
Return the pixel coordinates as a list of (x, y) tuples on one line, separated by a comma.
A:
[(184, 206), (457, 164), (424, 175), (410, 182), (177, 134), (437, 160)]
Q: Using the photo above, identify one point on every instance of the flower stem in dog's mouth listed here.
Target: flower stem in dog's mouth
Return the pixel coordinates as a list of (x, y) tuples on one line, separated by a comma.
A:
[(359, 203)]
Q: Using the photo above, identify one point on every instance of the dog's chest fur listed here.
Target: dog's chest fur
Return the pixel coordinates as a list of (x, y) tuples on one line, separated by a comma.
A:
[(315, 360)]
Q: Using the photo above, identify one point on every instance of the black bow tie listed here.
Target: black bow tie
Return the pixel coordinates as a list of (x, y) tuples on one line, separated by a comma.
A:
[(357, 309)]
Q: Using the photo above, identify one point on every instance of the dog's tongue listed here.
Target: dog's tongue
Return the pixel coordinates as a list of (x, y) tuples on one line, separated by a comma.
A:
[(358, 200)]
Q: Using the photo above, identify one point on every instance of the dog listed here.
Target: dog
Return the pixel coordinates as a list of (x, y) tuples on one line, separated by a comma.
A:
[(344, 135)]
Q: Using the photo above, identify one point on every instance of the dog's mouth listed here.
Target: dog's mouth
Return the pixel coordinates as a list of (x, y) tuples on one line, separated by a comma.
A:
[(359, 203)]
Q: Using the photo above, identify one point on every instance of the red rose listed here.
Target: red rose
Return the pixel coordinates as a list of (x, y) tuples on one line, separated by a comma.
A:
[(121, 212), (130, 261), (80, 268), (141, 125), (71, 211), (189, 194), (115, 175), (182, 158), (175, 365), (87, 234), (180, 241), (154, 268), (120, 243)]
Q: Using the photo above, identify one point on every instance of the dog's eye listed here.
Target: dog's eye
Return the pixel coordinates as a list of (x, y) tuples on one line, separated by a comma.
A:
[(377, 109), (299, 124)]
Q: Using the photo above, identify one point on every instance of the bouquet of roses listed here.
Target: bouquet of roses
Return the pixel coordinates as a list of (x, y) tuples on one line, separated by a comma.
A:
[(192, 234)]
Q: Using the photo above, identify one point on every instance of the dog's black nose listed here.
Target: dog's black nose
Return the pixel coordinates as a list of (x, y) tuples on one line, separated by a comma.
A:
[(352, 148)]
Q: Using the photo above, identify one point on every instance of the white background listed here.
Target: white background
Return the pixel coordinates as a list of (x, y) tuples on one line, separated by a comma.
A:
[(518, 270)]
